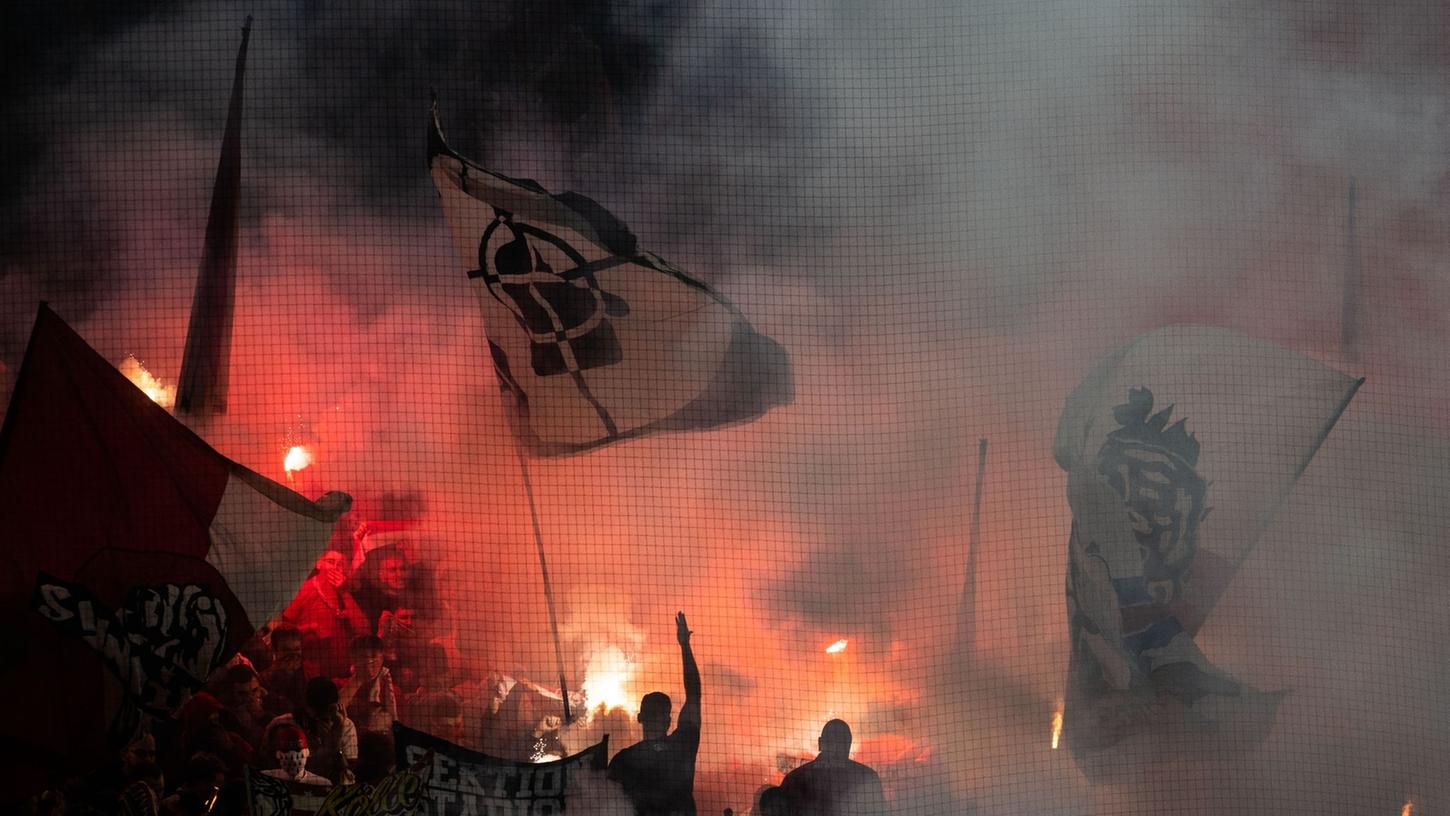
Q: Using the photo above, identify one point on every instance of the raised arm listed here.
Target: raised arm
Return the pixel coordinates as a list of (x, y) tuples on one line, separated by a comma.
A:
[(690, 711)]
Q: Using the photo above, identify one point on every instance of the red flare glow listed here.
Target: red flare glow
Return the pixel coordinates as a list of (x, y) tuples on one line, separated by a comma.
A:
[(159, 393), (298, 457)]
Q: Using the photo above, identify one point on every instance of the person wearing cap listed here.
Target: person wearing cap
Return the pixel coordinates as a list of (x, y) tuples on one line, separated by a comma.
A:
[(289, 746)]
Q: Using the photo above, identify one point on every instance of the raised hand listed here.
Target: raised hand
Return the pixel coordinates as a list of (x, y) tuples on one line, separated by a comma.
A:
[(682, 629)]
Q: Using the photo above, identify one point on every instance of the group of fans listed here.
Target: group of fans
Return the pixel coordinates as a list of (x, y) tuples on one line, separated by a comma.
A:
[(368, 642)]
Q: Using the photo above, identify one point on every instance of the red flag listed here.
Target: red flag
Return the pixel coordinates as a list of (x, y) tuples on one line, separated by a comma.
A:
[(137, 559), (204, 366)]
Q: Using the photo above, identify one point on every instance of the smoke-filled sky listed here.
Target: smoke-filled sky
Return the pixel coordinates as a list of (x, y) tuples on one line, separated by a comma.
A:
[(946, 212)]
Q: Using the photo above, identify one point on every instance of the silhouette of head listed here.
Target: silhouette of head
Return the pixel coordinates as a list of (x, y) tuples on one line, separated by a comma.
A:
[(773, 802), (835, 741), (654, 714), (320, 697)]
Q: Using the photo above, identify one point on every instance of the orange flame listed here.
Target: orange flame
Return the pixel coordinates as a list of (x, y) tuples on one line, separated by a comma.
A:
[(298, 457), (159, 393), (1408, 809), (606, 681), (837, 647), (1056, 726)]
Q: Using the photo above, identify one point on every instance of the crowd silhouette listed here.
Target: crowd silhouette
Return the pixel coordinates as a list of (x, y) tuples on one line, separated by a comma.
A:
[(366, 643)]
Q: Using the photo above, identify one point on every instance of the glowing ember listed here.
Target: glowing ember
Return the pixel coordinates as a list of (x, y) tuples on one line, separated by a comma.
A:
[(297, 458), (1056, 726), (837, 647), (135, 371), (605, 681)]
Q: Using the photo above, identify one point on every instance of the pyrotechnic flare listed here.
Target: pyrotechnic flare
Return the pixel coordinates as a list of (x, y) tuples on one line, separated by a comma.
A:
[(1408, 809), (159, 392), (297, 458), (1056, 725), (837, 647), (605, 682)]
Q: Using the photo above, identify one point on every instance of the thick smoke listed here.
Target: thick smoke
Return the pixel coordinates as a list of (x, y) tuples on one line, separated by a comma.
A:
[(946, 212)]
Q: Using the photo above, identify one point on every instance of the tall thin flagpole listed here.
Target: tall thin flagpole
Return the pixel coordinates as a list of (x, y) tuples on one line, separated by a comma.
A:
[(202, 388), (544, 571), (1353, 275), (967, 612)]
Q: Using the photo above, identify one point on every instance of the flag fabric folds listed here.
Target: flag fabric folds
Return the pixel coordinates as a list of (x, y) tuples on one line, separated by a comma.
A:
[(205, 364), (137, 558), (592, 339), (1179, 448)]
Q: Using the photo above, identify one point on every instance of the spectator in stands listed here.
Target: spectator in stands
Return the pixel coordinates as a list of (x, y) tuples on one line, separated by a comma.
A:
[(368, 695), (286, 679), (833, 784), (201, 783), (439, 713), (100, 792), (328, 617), (331, 736), (773, 802), (289, 749), (374, 756), (242, 694), (658, 773), (204, 729), (402, 643), (381, 584)]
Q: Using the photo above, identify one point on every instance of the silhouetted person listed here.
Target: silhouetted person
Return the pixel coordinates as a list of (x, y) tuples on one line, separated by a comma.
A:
[(285, 680), (772, 803), (658, 773), (833, 784)]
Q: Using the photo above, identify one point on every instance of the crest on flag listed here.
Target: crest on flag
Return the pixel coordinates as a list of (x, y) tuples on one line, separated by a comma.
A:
[(593, 340), (1179, 449)]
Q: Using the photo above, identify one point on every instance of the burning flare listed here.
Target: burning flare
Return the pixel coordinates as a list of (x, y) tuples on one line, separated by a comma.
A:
[(135, 371), (1408, 809), (605, 681), (298, 457), (1056, 726), (837, 647)]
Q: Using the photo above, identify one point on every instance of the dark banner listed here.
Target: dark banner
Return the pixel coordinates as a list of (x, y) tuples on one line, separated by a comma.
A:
[(461, 781)]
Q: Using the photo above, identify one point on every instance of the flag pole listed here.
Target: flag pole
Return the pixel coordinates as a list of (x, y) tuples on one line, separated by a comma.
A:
[(544, 571), (967, 612), (201, 391), (1263, 525), (1353, 273)]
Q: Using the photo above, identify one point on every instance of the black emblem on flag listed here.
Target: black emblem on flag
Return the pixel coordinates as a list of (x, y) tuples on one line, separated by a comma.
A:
[(564, 313), (162, 645)]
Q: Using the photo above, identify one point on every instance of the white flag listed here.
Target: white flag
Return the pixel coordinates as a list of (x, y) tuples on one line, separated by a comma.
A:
[(592, 339)]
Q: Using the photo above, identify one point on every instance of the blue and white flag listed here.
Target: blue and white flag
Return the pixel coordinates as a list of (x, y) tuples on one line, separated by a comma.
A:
[(1179, 448), (594, 340)]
